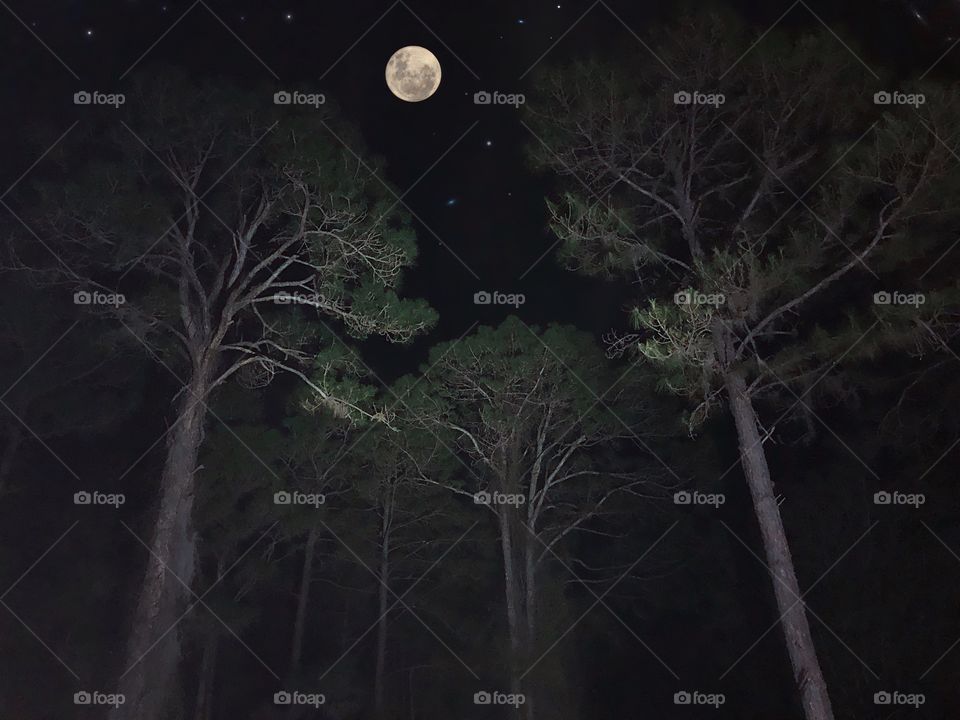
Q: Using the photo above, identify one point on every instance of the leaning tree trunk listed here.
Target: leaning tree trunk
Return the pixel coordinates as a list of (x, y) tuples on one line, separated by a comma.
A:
[(299, 625), (793, 615), (149, 680)]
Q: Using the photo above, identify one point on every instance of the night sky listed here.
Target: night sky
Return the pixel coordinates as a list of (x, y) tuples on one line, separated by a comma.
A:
[(459, 168)]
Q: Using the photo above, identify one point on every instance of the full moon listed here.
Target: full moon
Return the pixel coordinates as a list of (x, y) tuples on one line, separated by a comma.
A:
[(413, 73)]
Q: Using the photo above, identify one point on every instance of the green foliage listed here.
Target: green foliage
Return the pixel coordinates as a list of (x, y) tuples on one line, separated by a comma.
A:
[(789, 198)]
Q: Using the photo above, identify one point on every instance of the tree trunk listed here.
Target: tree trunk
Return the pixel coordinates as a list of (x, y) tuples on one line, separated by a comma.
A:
[(378, 687), (208, 666), (530, 585), (299, 625), (513, 597), (150, 673), (516, 623), (803, 655)]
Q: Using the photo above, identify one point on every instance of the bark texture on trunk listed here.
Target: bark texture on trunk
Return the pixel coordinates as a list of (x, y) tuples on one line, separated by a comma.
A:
[(208, 666), (520, 594), (512, 595), (796, 629), (299, 625), (149, 678)]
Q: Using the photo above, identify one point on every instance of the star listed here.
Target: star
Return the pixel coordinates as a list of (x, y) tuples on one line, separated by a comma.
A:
[(288, 17), (451, 202), (521, 21), (488, 143), (88, 32)]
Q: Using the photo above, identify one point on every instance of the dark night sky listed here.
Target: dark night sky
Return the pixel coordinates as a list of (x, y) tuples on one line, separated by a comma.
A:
[(459, 167)]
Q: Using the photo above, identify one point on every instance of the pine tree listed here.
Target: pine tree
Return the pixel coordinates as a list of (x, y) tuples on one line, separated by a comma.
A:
[(754, 194), (214, 225)]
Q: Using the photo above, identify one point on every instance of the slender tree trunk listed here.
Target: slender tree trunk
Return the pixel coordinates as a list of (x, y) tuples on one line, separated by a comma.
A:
[(149, 677), (803, 655), (378, 688), (530, 584), (208, 667), (299, 625), (513, 597)]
